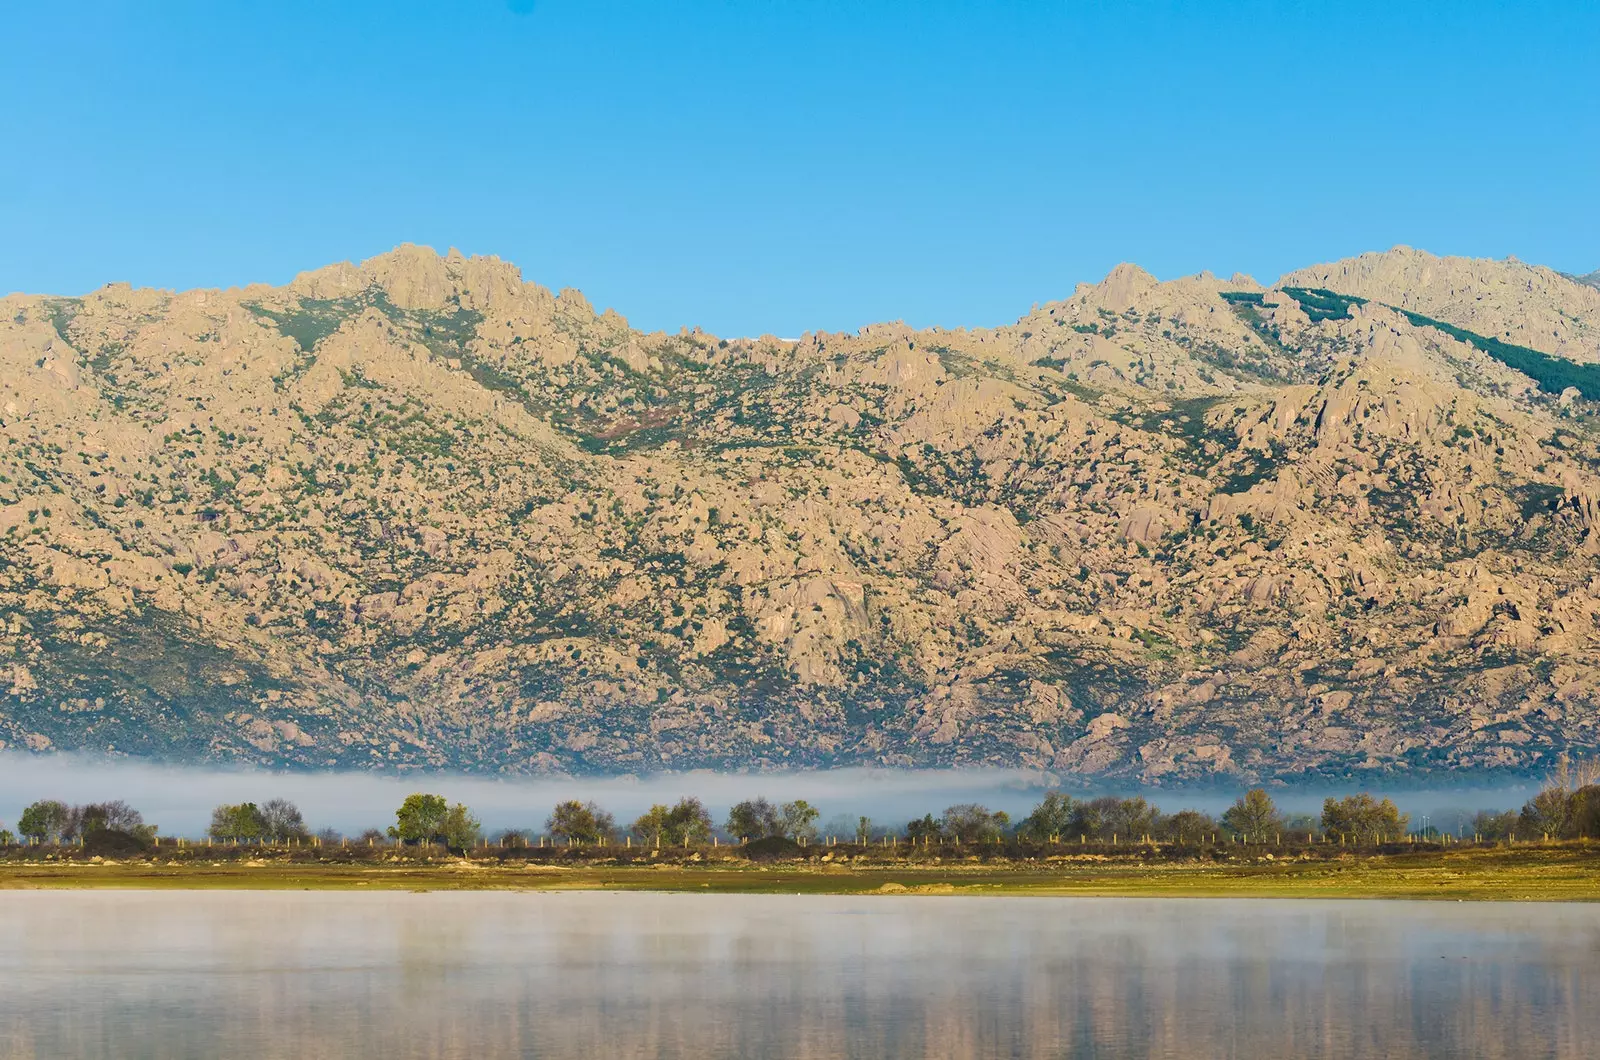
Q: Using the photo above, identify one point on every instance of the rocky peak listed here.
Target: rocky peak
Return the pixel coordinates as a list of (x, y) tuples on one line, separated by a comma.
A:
[(1529, 305), (419, 278)]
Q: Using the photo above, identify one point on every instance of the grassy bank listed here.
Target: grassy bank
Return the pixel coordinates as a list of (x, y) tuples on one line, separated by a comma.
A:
[(1535, 872)]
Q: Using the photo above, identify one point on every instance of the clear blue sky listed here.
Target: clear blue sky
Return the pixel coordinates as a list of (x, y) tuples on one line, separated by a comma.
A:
[(757, 166)]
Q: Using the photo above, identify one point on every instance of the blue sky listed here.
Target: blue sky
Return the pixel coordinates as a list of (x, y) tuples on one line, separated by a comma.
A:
[(763, 167)]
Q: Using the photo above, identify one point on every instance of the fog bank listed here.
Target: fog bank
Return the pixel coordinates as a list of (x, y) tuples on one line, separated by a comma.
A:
[(179, 798)]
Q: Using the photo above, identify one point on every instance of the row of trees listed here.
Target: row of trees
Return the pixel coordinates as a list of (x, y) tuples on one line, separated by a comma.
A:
[(53, 821), (1253, 818), (688, 821), (1568, 808), (274, 821), (1553, 813), (430, 819)]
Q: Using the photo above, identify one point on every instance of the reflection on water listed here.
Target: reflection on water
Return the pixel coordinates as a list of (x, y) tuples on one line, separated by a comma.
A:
[(241, 974)]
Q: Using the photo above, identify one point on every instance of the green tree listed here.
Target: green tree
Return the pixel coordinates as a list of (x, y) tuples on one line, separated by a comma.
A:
[(459, 829), (6, 838), (44, 821), (754, 819), (652, 824), (925, 828), (800, 820), (1051, 818), (583, 822), (235, 822), (420, 819), (1362, 819), (1254, 817), (688, 822)]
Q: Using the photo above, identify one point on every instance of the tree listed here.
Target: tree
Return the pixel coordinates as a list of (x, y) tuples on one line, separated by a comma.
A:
[(281, 821), (1132, 818), (1547, 813), (44, 821), (582, 822), (799, 820), (652, 824), (925, 828), (1093, 819), (6, 838), (1254, 817), (1586, 812), (688, 822), (460, 829), (1051, 818), (754, 819), (420, 819), (863, 828), (114, 816), (237, 822), (1189, 827), (972, 823), (1570, 775), (1362, 819)]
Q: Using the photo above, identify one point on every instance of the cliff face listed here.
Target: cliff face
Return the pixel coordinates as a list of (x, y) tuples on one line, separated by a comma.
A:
[(418, 512)]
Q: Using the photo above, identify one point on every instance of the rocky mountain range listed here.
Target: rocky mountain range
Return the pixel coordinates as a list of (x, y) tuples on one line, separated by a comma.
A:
[(419, 512)]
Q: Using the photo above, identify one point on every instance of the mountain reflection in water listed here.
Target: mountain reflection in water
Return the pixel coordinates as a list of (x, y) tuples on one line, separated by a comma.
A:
[(306, 974)]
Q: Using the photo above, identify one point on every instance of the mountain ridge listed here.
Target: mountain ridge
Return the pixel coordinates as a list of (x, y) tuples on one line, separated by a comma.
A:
[(418, 512)]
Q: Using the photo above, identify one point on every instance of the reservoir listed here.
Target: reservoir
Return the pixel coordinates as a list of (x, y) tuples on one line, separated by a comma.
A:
[(98, 973)]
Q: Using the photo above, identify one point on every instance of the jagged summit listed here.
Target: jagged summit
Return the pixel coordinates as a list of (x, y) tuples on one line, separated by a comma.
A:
[(418, 511)]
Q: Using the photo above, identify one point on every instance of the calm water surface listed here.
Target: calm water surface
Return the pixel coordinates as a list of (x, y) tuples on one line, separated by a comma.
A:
[(307, 974)]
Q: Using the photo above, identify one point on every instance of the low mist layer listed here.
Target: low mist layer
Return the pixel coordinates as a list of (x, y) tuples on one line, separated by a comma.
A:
[(180, 799)]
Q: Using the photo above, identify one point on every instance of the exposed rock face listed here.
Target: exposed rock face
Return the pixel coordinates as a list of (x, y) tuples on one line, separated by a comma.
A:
[(1526, 304), (418, 512)]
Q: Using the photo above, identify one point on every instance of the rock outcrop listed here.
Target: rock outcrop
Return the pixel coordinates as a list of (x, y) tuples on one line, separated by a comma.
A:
[(417, 512)]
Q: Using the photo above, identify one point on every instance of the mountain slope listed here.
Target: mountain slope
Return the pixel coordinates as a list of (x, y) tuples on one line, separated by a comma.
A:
[(418, 512)]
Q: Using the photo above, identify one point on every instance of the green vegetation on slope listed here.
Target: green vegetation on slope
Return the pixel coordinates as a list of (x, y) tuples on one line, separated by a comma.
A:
[(1553, 374), (1320, 304)]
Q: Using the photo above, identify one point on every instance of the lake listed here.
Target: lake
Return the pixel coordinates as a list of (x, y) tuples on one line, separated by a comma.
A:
[(581, 974)]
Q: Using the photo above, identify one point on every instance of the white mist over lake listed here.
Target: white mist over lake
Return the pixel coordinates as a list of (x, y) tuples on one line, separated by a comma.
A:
[(179, 798)]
